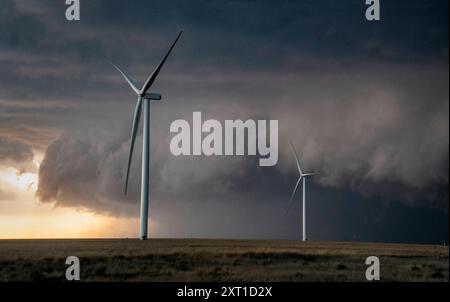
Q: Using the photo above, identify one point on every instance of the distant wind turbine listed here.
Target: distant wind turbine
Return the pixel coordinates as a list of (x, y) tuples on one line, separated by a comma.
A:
[(146, 97), (302, 176)]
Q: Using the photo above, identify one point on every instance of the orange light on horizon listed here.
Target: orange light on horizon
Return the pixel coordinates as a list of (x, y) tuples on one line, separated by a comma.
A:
[(66, 223), (25, 217)]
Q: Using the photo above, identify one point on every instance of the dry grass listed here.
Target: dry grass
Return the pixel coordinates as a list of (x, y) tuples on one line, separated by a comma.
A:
[(218, 260)]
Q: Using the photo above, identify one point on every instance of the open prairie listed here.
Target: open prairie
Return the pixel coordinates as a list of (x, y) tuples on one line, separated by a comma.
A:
[(218, 260)]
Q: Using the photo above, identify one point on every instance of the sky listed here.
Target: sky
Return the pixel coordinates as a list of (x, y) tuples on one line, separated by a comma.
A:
[(365, 103)]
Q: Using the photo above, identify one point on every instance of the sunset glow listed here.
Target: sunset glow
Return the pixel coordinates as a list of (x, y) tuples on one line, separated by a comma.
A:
[(21, 181), (24, 216)]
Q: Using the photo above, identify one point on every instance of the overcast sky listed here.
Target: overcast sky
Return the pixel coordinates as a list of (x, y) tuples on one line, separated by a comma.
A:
[(365, 103)]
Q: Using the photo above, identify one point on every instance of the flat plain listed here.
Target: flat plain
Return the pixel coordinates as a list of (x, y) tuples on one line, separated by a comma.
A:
[(193, 260)]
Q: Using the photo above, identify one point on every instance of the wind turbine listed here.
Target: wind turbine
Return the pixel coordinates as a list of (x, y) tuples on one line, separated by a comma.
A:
[(144, 97), (302, 176)]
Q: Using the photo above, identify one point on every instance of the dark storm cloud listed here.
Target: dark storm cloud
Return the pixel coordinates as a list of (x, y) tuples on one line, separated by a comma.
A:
[(15, 151), (395, 134), (233, 36), (16, 154), (86, 168), (363, 138), (80, 168), (365, 103), (18, 31)]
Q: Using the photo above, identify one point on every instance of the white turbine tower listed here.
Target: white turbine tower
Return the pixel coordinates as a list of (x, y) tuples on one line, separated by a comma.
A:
[(302, 176), (146, 98)]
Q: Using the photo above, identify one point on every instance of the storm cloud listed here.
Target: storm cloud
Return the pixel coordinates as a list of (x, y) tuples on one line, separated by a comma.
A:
[(12, 150), (387, 143), (367, 105)]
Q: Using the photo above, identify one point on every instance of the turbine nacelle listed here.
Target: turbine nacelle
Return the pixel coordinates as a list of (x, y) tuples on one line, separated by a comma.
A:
[(308, 174), (152, 96)]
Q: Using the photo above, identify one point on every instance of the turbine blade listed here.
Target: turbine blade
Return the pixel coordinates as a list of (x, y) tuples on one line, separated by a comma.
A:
[(310, 174), (296, 159), (130, 82), (293, 195), (155, 73), (137, 116)]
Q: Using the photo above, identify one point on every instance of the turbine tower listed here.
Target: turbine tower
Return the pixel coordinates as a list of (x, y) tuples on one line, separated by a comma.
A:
[(144, 97), (302, 176)]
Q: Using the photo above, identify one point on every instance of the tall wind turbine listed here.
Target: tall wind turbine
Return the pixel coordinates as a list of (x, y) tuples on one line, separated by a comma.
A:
[(144, 97), (302, 176)]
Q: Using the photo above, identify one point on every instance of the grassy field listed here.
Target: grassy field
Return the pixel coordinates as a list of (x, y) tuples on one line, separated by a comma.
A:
[(218, 260)]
